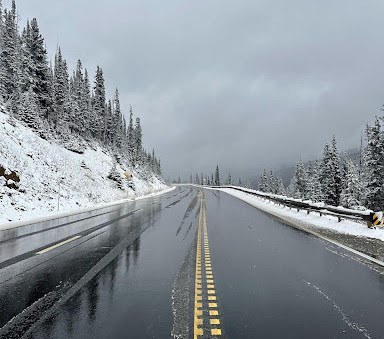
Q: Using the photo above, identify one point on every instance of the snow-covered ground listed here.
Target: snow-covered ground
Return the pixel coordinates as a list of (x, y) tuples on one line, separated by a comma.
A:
[(54, 179), (313, 219)]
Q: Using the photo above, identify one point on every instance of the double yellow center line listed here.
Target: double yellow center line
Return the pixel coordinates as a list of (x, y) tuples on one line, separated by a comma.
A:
[(205, 292)]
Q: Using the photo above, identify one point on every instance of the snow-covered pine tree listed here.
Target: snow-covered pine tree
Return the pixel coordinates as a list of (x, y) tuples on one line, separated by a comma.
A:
[(373, 167), (99, 107), (352, 190), (138, 146), (87, 109), (9, 61), (315, 192), (331, 176), (62, 103), (27, 67), (263, 182), (300, 182), (119, 131), (41, 81), (29, 110), (131, 136), (272, 183), (228, 181), (280, 189), (197, 180), (217, 176)]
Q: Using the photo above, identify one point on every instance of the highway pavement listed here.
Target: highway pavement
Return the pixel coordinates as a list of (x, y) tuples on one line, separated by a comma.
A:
[(190, 263)]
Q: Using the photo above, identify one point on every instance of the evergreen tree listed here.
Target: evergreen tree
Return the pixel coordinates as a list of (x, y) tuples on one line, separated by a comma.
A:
[(272, 183), (331, 176), (9, 61), (280, 189), (197, 180), (263, 182), (351, 193), (28, 109), (217, 176), (373, 167), (315, 191), (41, 80), (300, 182), (131, 137), (99, 106), (137, 142), (229, 180), (117, 123)]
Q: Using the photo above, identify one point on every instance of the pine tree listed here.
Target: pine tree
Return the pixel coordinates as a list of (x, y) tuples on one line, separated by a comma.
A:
[(315, 191), (41, 81), (29, 110), (352, 191), (217, 176), (131, 135), (280, 189), (197, 180), (331, 176), (99, 106), (9, 61), (229, 180), (300, 182), (272, 183), (263, 182), (62, 105), (373, 167), (117, 121), (137, 143)]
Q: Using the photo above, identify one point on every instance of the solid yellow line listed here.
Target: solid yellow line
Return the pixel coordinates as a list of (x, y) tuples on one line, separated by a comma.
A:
[(58, 245)]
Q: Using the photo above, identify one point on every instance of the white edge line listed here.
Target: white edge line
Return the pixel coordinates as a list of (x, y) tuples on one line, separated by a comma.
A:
[(289, 222), (58, 245), (20, 223)]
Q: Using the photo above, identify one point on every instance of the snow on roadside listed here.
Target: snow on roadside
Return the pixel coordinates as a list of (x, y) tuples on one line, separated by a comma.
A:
[(48, 170), (313, 219)]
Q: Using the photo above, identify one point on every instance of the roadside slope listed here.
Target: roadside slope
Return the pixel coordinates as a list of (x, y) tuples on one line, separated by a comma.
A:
[(39, 178)]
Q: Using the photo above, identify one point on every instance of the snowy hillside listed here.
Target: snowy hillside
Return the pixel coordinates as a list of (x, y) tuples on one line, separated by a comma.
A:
[(38, 178)]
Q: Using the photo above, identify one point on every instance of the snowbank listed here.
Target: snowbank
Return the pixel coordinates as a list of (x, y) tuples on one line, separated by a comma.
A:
[(42, 178), (312, 219)]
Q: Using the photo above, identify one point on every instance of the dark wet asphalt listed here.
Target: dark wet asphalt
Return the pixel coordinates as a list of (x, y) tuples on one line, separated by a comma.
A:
[(133, 276)]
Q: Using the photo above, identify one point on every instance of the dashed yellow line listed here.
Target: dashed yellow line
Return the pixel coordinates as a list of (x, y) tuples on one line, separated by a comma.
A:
[(208, 285), (198, 312)]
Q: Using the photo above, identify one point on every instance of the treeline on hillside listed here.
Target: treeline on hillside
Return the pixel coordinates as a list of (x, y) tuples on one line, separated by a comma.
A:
[(213, 179), (340, 181), (59, 105)]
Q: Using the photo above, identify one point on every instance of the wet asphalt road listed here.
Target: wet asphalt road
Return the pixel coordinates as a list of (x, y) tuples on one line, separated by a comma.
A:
[(134, 277)]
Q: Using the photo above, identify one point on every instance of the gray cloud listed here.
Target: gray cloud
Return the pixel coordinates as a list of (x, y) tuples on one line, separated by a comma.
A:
[(245, 84)]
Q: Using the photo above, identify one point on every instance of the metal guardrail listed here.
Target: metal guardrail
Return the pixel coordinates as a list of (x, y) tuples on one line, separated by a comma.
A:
[(371, 218)]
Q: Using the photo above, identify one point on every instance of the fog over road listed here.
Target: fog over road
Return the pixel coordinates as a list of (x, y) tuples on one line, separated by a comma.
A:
[(191, 261)]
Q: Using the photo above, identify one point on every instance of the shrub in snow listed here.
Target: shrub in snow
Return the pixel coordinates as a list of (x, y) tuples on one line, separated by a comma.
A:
[(115, 176)]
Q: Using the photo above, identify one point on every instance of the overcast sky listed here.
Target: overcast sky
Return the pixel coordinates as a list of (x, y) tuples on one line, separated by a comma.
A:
[(242, 84)]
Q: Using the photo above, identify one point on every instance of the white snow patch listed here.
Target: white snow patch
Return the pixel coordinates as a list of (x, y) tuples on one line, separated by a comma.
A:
[(47, 170)]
